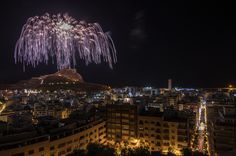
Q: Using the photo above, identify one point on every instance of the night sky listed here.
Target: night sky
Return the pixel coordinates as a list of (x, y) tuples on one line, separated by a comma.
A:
[(191, 42)]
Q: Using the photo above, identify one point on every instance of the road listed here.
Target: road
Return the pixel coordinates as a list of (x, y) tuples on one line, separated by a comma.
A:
[(4, 105), (201, 125)]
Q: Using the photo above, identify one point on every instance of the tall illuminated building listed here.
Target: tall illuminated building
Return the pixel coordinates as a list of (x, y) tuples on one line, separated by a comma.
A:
[(169, 84)]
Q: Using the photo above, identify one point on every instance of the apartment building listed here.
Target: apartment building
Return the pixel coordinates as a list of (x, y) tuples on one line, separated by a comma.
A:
[(56, 144), (121, 122), (163, 134)]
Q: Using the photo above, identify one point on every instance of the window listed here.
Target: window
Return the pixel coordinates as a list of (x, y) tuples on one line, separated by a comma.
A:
[(132, 133), (61, 145), (166, 131), (166, 137), (158, 131), (165, 125), (68, 149), (125, 121), (158, 144), (82, 137), (125, 115), (140, 128), (118, 114), (52, 147), (158, 137), (31, 152), (125, 127), (18, 154), (61, 153), (41, 149)]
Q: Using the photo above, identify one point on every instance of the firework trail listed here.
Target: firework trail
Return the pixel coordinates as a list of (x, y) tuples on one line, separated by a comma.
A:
[(61, 38)]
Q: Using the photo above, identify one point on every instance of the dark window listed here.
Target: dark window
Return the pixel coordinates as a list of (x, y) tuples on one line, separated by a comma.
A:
[(61, 145), (69, 142), (158, 130), (69, 149), (31, 152), (158, 137), (52, 147), (166, 130), (166, 125), (82, 137), (19, 154), (41, 149), (61, 153)]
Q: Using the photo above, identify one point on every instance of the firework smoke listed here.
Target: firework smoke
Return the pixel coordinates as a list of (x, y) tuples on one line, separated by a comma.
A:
[(62, 38)]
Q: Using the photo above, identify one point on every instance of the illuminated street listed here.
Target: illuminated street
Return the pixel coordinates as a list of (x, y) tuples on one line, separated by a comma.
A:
[(201, 127)]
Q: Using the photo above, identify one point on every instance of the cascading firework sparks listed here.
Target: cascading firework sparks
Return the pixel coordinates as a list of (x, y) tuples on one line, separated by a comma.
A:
[(62, 38)]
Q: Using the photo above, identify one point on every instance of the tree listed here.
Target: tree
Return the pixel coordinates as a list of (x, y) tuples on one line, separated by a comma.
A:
[(170, 154), (99, 150), (157, 153), (139, 151), (186, 152), (78, 153)]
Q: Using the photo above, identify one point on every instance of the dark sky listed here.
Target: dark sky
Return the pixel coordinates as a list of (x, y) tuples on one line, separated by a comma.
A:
[(191, 42)]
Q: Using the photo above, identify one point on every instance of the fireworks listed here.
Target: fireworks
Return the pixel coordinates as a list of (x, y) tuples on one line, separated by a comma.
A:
[(62, 39)]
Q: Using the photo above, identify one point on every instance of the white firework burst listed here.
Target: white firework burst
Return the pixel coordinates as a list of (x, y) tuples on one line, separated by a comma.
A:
[(62, 38)]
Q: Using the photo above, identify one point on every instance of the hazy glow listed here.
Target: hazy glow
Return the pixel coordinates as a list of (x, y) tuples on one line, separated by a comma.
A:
[(61, 39)]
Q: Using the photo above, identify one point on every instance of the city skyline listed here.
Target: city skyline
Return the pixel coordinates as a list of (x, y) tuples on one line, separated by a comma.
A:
[(191, 43)]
